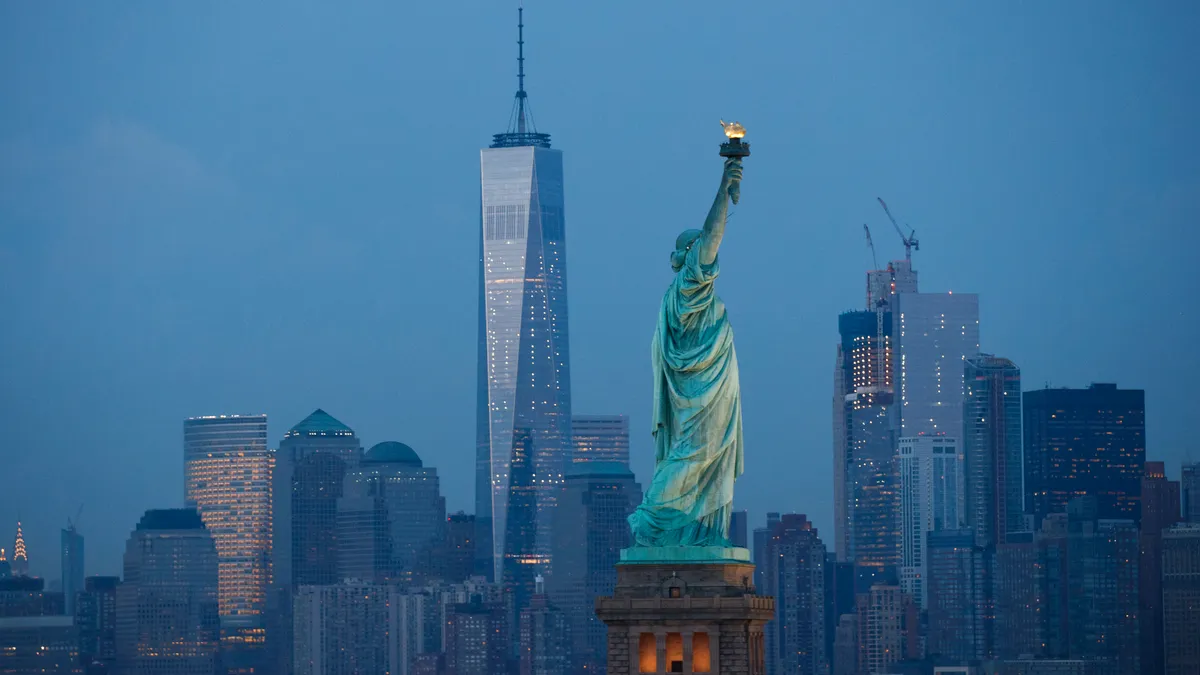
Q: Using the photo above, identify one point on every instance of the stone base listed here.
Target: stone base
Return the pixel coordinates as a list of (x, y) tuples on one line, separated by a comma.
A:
[(684, 554), (690, 617)]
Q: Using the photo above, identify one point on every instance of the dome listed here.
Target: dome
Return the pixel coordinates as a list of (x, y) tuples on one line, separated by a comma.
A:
[(391, 452)]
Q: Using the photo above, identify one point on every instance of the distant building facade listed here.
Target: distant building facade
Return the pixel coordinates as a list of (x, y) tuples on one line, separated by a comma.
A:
[(390, 516), (345, 629), (1189, 488), (1102, 559), (600, 438), (1084, 442), (96, 621), (35, 635), (992, 449), (931, 499), (478, 638), (72, 565), (959, 587), (1159, 511), (167, 605), (888, 629), (590, 531), (1181, 599), (796, 577), (545, 641)]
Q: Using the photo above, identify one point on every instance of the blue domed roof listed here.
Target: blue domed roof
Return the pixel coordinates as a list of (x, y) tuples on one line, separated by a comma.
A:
[(391, 452)]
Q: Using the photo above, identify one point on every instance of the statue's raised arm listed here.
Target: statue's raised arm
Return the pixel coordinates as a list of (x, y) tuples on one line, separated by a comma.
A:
[(714, 225)]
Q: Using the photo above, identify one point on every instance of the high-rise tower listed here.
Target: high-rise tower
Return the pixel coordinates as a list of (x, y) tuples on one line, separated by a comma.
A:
[(20, 559), (524, 397)]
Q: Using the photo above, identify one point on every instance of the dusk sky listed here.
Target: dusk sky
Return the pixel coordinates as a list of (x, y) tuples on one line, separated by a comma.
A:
[(213, 208)]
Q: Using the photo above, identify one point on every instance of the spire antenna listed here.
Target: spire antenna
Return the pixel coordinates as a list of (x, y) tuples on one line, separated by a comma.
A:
[(521, 69)]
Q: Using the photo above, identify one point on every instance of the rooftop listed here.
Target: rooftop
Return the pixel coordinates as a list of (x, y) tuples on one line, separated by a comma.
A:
[(391, 452), (171, 519), (319, 423), (589, 469)]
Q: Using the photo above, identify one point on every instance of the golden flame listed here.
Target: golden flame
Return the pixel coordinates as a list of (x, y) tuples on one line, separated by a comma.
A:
[(733, 129)]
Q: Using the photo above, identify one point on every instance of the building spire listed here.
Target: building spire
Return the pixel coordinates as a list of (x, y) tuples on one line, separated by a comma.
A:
[(20, 561), (521, 95), (521, 129)]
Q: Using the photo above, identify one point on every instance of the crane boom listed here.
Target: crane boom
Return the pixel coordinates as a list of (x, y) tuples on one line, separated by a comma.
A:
[(871, 245), (910, 242)]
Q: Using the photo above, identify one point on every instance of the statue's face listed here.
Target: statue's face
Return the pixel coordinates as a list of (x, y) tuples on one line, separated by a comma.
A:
[(683, 244)]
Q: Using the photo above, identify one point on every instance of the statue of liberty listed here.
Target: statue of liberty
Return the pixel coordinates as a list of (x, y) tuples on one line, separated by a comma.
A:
[(697, 402)]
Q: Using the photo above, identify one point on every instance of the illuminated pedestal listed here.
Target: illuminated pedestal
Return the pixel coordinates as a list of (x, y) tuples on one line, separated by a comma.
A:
[(685, 617)]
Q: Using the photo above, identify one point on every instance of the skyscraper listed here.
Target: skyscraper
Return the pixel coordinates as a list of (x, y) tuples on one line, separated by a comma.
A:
[(762, 536), (96, 621), (1189, 491), (958, 588), (227, 479), (545, 647), (524, 397), (346, 629), (992, 449), (477, 638), (20, 558), (1084, 442), (72, 565), (866, 489), (888, 628), (1160, 510), (937, 332), (795, 577), (306, 483), (591, 531), (1181, 599), (1102, 560), (931, 499), (168, 619), (600, 438), (390, 516)]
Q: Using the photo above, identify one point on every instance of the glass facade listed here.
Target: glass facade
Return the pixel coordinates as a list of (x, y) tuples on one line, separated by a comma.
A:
[(931, 499), (167, 607), (524, 414), (227, 478), (600, 438), (72, 565), (1084, 442), (795, 577), (992, 449), (936, 334)]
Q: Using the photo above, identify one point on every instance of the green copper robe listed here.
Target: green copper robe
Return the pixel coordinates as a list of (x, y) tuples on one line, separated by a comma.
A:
[(697, 416)]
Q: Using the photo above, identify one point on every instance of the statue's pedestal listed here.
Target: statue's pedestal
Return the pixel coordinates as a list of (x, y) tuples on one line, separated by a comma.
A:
[(680, 616)]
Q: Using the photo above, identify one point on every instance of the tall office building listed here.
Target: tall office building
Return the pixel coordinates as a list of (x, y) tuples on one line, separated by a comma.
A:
[(20, 557), (796, 578), (346, 629), (1159, 511), (739, 529), (524, 386), (888, 628), (931, 499), (992, 449), (96, 621), (390, 516), (1102, 563), (1084, 442), (310, 470), (453, 558), (545, 642), (227, 479), (306, 484), (959, 588), (937, 333), (600, 438), (590, 530), (866, 479), (1189, 491), (478, 638), (72, 565), (762, 536), (168, 617), (1181, 599)]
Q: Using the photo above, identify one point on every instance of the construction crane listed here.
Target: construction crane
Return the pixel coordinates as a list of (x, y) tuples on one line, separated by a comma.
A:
[(871, 245), (910, 242)]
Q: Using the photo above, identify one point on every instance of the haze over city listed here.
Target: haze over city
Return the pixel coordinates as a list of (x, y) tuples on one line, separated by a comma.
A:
[(275, 208)]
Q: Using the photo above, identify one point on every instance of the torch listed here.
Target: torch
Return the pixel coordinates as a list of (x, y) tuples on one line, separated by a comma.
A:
[(734, 148)]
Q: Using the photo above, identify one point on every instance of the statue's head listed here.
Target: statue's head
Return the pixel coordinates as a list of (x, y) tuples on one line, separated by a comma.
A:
[(683, 244)]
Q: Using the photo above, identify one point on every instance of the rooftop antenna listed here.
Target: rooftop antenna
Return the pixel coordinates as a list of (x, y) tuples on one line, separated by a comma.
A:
[(521, 69)]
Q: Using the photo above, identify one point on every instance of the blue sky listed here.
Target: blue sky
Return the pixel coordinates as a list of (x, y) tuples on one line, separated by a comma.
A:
[(272, 207)]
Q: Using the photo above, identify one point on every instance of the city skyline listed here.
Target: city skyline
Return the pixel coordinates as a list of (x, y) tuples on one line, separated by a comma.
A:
[(100, 401)]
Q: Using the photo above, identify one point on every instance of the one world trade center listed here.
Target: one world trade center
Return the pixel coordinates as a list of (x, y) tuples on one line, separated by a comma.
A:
[(524, 397)]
